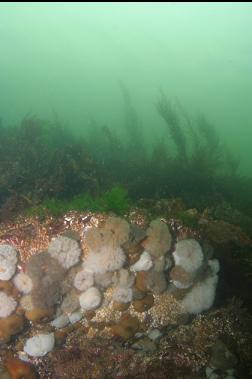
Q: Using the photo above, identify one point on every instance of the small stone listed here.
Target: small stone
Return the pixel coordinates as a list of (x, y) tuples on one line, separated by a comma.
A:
[(39, 314), (19, 369), (60, 337), (137, 294), (144, 304), (141, 281), (151, 281), (127, 327), (10, 326), (121, 307), (60, 322), (23, 356), (75, 317), (9, 289)]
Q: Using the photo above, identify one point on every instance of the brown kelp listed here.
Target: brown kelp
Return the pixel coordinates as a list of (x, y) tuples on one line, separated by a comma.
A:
[(43, 160)]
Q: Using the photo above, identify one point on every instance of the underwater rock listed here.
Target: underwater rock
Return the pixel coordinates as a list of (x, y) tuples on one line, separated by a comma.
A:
[(151, 281), (39, 314), (165, 311), (60, 321), (169, 207), (8, 261), (137, 294), (110, 296), (39, 345), (20, 370), (126, 327), (75, 317), (9, 289), (143, 304), (89, 315), (60, 336), (10, 326), (221, 233), (224, 211), (142, 281), (121, 307)]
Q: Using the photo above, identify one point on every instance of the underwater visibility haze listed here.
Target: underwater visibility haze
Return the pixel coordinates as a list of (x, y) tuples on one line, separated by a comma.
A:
[(108, 73), (125, 190)]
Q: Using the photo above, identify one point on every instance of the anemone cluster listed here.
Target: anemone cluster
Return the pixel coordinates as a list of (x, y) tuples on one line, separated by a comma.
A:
[(125, 270)]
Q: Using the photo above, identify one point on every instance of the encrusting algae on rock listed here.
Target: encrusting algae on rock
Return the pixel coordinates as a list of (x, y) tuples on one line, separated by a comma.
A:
[(42, 280), (91, 286)]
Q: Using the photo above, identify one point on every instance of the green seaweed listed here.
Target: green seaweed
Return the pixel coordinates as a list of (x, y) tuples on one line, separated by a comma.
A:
[(187, 219), (115, 200), (45, 167)]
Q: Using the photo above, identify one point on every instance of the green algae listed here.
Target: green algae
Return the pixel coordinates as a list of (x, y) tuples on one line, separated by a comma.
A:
[(115, 200)]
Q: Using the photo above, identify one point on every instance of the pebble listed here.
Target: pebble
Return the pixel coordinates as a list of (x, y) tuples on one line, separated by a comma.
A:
[(60, 322)]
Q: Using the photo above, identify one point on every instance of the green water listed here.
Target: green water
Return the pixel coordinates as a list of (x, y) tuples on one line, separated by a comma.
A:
[(73, 62)]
